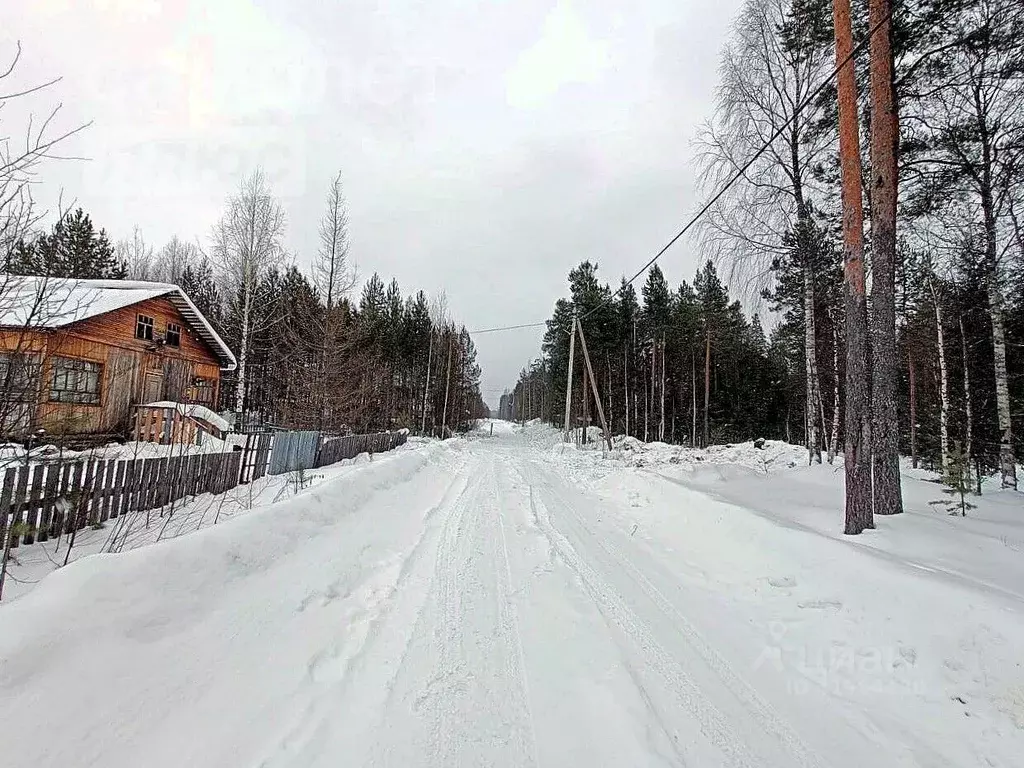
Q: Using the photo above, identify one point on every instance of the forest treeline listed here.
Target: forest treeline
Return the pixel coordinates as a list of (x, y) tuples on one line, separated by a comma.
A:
[(682, 362), (310, 354)]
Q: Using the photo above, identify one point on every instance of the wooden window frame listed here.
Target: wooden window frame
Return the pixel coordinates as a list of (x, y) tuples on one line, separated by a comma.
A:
[(23, 386), (174, 328), (144, 324), (65, 366)]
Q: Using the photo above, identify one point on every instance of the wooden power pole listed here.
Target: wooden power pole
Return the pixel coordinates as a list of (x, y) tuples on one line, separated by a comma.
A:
[(593, 384), (568, 379)]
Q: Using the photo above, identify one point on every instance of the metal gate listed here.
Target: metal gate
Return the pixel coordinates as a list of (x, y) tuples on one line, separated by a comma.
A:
[(294, 450)]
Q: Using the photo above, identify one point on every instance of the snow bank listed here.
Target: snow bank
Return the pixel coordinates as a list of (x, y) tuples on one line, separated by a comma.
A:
[(34, 562), (83, 646), (914, 629)]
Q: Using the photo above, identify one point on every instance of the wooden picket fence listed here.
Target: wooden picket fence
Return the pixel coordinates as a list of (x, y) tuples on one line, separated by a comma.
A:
[(337, 448), (44, 500)]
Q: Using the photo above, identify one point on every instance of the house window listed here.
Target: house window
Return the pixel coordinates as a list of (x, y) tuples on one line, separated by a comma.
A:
[(144, 327), (19, 376), (202, 392), (173, 336), (75, 381)]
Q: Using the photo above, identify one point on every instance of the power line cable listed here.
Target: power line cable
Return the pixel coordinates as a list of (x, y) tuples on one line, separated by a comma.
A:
[(732, 180), (508, 328), (746, 166)]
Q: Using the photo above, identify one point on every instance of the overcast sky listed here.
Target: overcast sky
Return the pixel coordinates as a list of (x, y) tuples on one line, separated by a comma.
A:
[(486, 147)]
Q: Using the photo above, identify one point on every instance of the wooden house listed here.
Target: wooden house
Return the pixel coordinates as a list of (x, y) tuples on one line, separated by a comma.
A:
[(77, 356)]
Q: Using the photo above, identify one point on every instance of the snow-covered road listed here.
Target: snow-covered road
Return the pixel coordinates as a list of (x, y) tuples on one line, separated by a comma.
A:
[(470, 603)]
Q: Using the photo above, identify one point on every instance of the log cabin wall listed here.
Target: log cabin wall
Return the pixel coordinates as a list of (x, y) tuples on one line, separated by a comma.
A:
[(134, 370)]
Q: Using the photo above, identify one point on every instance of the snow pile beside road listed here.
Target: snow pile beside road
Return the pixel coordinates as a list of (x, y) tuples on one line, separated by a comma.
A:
[(914, 629), (770, 456), (214, 635), (763, 455), (30, 565)]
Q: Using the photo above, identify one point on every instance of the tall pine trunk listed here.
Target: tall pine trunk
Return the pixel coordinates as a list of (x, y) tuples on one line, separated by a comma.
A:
[(888, 496), (857, 434)]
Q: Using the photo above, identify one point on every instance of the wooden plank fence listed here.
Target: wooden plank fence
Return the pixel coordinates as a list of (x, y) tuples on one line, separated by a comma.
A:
[(335, 449), (42, 501)]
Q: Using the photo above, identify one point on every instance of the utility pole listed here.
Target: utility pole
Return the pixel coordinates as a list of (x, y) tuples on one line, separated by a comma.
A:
[(593, 385), (568, 380), (447, 388), (426, 387)]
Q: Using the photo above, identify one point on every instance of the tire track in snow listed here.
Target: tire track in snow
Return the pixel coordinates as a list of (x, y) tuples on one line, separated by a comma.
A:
[(712, 719), (510, 620), (479, 644), (330, 670)]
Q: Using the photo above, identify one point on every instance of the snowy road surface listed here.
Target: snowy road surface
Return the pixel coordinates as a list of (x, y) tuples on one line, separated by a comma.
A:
[(490, 602)]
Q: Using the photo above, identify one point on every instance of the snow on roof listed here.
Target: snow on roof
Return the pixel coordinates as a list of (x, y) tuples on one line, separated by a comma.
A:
[(40, 302)]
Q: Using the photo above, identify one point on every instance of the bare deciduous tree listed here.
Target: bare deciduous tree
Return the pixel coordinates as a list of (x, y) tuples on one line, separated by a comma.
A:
[(136, 255), (334, 277), (246, 245), (333, 273), (20, 158), (173, 258), (771, 67)]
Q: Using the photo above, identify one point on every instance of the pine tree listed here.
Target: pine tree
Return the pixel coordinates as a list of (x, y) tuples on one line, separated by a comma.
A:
[(72, 249)]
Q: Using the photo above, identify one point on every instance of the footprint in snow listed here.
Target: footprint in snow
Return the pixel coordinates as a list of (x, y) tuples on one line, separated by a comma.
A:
[(782, 582)]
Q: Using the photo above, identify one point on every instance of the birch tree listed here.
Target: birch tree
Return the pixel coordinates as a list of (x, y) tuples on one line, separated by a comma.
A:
[(970, 131), (778, 56), (136, 255), (174, 258), (940, 345), (246, 246)]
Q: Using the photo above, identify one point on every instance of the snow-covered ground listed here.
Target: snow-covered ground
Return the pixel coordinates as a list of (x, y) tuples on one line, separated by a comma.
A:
[(506, 600), (29, 565)]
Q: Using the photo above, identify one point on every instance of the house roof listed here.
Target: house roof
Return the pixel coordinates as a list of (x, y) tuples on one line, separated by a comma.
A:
[(45, 303)]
